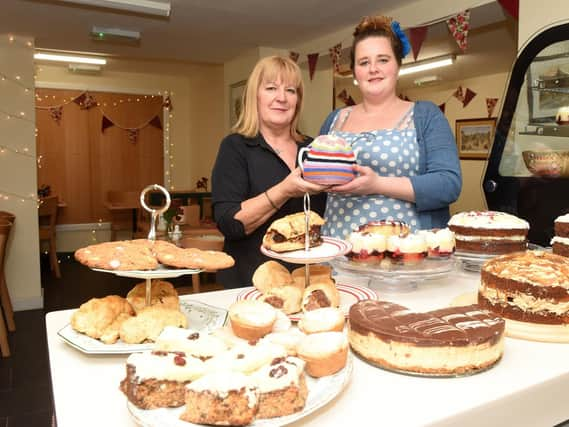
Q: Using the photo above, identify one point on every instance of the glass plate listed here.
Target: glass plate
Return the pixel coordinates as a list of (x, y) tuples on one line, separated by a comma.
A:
[(349, 295), (201, 317), (320, 392), (473, 261), (162, 272), (329, 249)]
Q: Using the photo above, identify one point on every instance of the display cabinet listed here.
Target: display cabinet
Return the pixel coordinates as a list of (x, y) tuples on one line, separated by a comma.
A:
[(528, 168)]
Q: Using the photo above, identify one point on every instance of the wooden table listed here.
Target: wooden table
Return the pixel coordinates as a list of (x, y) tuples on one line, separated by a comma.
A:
[(528, 387), (157, 198)]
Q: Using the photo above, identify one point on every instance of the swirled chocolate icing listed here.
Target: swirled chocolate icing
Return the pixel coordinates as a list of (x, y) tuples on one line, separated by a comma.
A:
[(452, 326)]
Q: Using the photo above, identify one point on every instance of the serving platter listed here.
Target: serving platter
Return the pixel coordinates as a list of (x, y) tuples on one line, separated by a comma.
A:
[(201, 317), (349, 295), (329, 249), (320, 392), (162, 272)]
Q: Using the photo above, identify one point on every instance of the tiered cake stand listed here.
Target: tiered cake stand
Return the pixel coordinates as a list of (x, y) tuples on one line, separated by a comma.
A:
[(161, 272)]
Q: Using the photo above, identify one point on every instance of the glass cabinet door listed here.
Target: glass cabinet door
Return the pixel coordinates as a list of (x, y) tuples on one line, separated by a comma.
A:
[(528, 168)]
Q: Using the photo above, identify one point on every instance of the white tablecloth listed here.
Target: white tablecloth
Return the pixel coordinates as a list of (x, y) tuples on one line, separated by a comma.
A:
[(528, 387)]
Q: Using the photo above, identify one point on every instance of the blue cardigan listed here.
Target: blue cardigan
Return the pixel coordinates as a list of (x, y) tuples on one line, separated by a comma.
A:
[(439, 181)]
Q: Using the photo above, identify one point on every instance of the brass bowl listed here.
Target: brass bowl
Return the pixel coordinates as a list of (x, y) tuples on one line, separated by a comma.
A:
[(547, 163)]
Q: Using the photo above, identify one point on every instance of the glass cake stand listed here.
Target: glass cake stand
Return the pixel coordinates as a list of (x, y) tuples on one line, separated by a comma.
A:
[(473, 261)]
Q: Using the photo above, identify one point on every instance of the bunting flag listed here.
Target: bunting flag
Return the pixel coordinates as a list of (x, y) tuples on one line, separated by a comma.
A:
[(312, 61), (512, 7), (85, 101), (404, 97), (335, 55), (458, 26), (417, 36), (106, 123), (346, 98), (468, 96), (459, 94), (167, 103), (133, 135), (294, 56), (56, 113), (490, 105), (442, 107), (156, 122)]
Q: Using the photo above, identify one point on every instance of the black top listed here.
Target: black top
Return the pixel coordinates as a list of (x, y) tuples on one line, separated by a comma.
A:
[(244, 168)]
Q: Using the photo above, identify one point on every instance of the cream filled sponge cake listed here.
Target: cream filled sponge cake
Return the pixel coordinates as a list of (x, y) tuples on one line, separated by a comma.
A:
[(489, 232), (530, 286), (560, 242), (440, 242), (407, 249), (330, 161), (448, 341), (369, 242)]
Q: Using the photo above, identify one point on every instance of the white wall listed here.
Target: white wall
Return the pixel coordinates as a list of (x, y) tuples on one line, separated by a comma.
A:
[(535, 15), (18, 173)]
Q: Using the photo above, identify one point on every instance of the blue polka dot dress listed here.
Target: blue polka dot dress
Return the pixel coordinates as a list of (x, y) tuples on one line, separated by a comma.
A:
[(389, 152)]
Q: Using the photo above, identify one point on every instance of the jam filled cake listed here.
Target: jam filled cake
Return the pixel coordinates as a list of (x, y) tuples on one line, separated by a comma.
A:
[(560, 242), (369, 242), (440, 242), (489, 232), (530, 286), (448, 341), (407, 249)]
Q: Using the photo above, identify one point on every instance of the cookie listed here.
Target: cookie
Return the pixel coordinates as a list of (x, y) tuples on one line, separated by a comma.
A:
[(195, 258), (122, 255)]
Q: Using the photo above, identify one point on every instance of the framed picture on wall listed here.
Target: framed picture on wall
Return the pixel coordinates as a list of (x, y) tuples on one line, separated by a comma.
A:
[(235, 95), (474, 137)]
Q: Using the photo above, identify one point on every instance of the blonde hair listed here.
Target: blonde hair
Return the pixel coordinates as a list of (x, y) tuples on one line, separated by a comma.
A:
[(269, 69), (376, 26)]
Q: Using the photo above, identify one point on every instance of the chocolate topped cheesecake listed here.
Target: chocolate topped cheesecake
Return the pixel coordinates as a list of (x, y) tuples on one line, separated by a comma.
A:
[(530, 286), (560, 243), (448, 341), (489, 232)]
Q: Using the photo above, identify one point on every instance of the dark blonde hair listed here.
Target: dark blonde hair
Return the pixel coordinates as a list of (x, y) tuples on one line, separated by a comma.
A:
[(376, 26), (269, 69)]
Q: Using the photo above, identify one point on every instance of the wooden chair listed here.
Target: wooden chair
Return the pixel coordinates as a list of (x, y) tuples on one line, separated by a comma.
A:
[(9, 216), (124, 208), (7, 309), (48, 219), (206, 242)]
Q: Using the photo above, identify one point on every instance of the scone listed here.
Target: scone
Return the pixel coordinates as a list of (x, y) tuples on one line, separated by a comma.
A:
[(325, 353), (289, 233), (318, 272), (271, 274), (101, 317), (319, 295), (149, 323), (285, 298), (326, 319), (162, 293), (252, 319)]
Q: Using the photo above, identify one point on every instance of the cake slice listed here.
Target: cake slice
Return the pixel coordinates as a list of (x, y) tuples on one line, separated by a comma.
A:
[(197, 344), (560, 243)]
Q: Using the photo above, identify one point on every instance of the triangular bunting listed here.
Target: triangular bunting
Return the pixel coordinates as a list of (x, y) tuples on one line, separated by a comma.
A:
[(294, 56), (417, 36), (106, 123), (512, 7), (335, 55), (312, 61), (56, 113), (468, 96), (490, 105), (346, 98), (133, 135), (458, 26), (156, 122), (442, 107), (459, 94)]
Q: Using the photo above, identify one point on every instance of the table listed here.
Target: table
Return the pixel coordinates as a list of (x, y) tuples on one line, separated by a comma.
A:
[(133, 207), (157, 199), (528, 387)]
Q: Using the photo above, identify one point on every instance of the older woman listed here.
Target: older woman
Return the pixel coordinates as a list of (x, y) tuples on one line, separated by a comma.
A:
[(255, 178), (408, 164)]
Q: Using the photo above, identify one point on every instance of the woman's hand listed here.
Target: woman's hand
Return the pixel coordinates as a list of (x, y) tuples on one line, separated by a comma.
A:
[(366, 182), (294, 186)]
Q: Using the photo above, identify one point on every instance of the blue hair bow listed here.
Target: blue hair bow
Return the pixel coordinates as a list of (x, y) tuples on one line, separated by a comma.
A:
[(402, 37)]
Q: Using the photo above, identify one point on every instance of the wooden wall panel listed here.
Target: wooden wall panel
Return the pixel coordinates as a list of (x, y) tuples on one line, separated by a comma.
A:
[(81, 163)]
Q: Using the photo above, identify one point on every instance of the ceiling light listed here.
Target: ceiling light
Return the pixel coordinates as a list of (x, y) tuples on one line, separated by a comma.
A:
[(151, 7), (428, 64), (84, 68), (70, 58), (421, 81), (102, 34)]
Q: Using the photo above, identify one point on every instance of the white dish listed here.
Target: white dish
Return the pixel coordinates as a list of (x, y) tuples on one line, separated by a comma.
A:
[(320, 392), (349, 295), (201, 317), (162, 272), (329, 249)]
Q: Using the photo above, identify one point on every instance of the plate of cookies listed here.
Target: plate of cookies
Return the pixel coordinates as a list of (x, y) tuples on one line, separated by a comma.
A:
[(117, 325), (288, 292), (249, 375)]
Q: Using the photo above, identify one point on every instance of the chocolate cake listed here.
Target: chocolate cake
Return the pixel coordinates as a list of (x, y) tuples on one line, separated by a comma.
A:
[(489, 232), (530, 286), (448, 341), (560, 242)]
